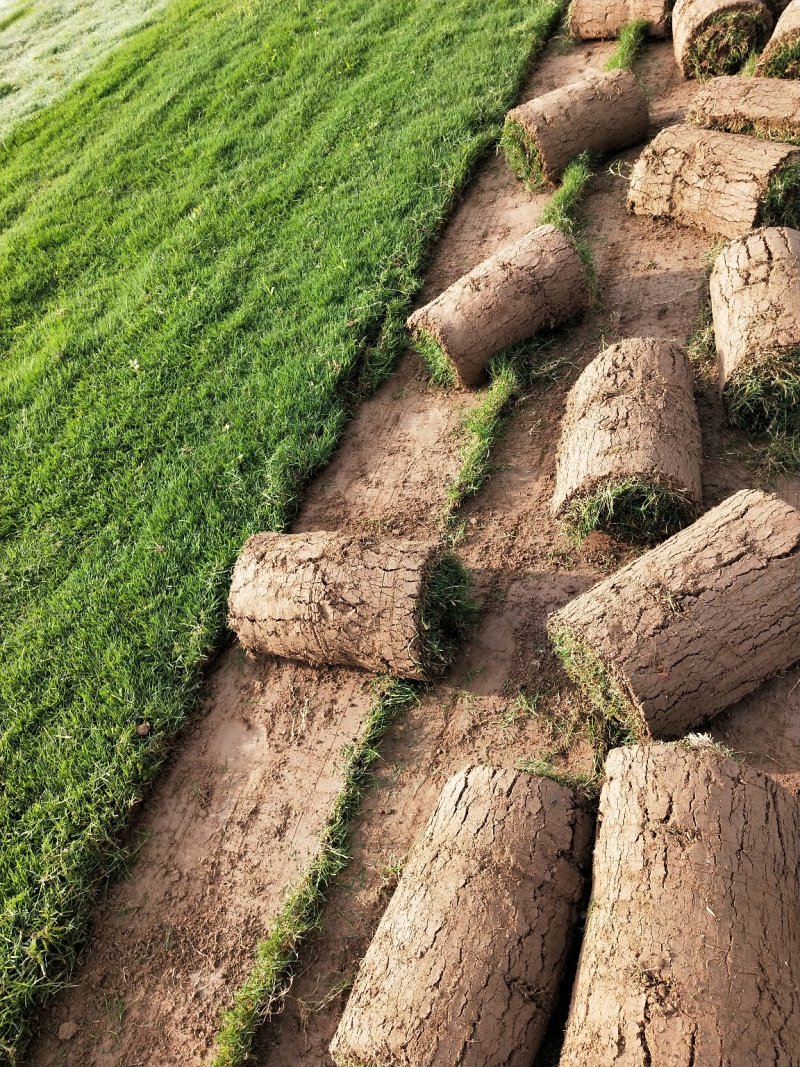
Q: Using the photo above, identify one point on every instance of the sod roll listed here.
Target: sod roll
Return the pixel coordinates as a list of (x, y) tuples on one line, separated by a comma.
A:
[(762, 107), (591, 20), (781, 57), (466, 963), (691, 955), (722, 183), (755, 302), (630, 453), (712, 37), (605, 112), (536, 283), (387, 605), (693, 625)]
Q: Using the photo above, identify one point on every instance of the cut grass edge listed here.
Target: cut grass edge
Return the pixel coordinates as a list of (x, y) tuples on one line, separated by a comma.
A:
[(780, 203), (447, 610), (634, 509), (630, 42), (262, 995), (524, 156)]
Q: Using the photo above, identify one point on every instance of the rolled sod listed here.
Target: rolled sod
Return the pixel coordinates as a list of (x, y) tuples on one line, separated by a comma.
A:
[(691, 954), (536, 283), (761, 107), (712, 37), (691, 626), (781, 57), (604, 112), (722, 183), (755, 303), (629, 461), (392, 606), (465, 967), (591, 20)]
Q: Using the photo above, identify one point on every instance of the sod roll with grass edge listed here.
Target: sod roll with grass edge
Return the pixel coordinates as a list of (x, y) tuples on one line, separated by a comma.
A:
[(629, 461), (781, 57), (761, 107), (691, 955), (591, 20), (755, 303), (722, 183), (712, 37), (465, 967), (604, 112), (693, 625), (391, 606), (536, 283)]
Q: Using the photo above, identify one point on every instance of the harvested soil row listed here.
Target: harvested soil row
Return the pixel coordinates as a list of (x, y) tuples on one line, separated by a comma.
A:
[(712, 37), (755, 302), (722, 183), (536, 283), (694, 625), (781, 57), (691, 956), (600, 19), (630, 456), (465, 966), (386, 605), (603, 113), (761, 107)]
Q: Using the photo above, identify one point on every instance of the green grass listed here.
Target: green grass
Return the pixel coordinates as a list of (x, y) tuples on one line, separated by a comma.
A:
[(263, 993), (725, 43), (440, 369), (586, 786), (446, 613), (765, 397), (563, 210), (630, 42), (523, 155), (629, 508), (780, 204), (783, 60), (203, 248)]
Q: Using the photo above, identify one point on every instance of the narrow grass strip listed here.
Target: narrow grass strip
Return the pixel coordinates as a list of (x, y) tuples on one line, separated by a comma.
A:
[(629, 44), (264, 991), (563, 210)]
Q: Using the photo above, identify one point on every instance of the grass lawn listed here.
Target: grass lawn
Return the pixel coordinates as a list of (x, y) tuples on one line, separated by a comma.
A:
[(204, 248)]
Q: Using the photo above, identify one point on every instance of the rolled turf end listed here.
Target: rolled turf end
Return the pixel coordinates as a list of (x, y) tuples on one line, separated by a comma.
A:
[(764, 397), (523, 155), (598, 685), (440, 369), (630, 509), (784, 62), (780, 204), (725, 43), (446, 612)]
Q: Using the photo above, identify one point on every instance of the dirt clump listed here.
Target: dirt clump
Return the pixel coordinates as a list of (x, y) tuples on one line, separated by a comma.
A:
[(712, 37), (693, 625), (599, 19), (691, 954), (537, 282), (723, 183), (465, 966), (392, 606), (755, 302), (781, 57), (761, 107), (630, 456), (605, 112)]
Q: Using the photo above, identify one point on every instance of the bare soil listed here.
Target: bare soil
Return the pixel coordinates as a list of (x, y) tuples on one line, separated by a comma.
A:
[(225, 845)]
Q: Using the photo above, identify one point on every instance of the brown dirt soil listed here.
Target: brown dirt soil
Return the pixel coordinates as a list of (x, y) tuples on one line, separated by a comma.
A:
[(604, 113), (631, 415), (505, 700), (466, 964), (691, 954), (785, 38), (763, 107), (596, 19), (699, 38)]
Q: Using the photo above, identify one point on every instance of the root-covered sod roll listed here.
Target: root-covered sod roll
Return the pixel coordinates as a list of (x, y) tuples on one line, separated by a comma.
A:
[(630, 454), (781, 57), (605, 112), (755, 303), (762, 107), (712, 37), (536, 283), (398, 607), (691, 955), (591, 20), (693, 625), (722, 183), (465, 967)]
